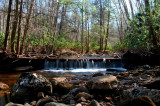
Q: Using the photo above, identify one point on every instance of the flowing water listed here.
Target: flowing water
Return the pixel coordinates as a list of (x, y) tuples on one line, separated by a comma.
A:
[(83, 66)]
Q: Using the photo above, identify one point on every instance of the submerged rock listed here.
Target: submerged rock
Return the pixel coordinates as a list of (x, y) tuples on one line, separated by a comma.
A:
[(28, 86), (106, 82)]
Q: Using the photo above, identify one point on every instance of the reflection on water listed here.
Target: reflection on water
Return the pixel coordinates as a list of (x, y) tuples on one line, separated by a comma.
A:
[(9, 79), (4, 99)]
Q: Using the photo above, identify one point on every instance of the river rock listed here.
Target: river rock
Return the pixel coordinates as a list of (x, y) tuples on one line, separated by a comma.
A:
[(141, 91), (43, 101), (81, 99), (60, 85), (106, 82), (153, 85), (139, 101), (94, 103), (28, 86), (98, 74), (55, 104), (26, 104), (84, 95), (13, 104), (3, 86)]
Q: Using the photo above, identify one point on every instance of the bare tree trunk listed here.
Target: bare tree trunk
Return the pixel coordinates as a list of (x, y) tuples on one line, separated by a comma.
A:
[(88, 39), (0, 24), (62, 19), (101, 26), (130, 2), (107, 34), (26, 27), (87, 36), (55, 27), (14, 27), (82, 45), (19, 27), (7, 27)]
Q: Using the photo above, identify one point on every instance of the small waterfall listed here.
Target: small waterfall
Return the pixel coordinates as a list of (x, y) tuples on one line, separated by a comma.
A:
[(66, 64)]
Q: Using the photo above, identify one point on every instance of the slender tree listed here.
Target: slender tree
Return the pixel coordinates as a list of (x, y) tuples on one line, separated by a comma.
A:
[(7, 27), (14, 26), (26, 27), (19, 27)]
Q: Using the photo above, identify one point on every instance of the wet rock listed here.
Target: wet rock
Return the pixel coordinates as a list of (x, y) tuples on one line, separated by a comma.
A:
[(147, 67), (13, 104), (94, 103), (55, 104), (72, 101), (75, 82), (3, 86), (84, 95), (153, 85), (33, 103), (106, 82), (141, 91), (40, 95), (81, 99), (140, 101), (78, 104), (45, 100), (28, 86), (79, 89), (66, 98), (98, 74), (60, 85), (26, 104)]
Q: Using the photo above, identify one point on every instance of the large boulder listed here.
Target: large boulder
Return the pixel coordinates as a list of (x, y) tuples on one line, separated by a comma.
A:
[(28, 86), (106, 82)]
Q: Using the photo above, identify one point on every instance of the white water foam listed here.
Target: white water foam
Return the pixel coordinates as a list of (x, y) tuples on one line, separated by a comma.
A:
[(87, 70)]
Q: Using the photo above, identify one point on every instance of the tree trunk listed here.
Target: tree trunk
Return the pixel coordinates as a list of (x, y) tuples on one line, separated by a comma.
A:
[(151, 30), (101, 26), (62, 19), (14, 27), (19, 27), (7, 27), (26, 27), (130, 2), (82, 45), (107, 34), (55, 27)]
